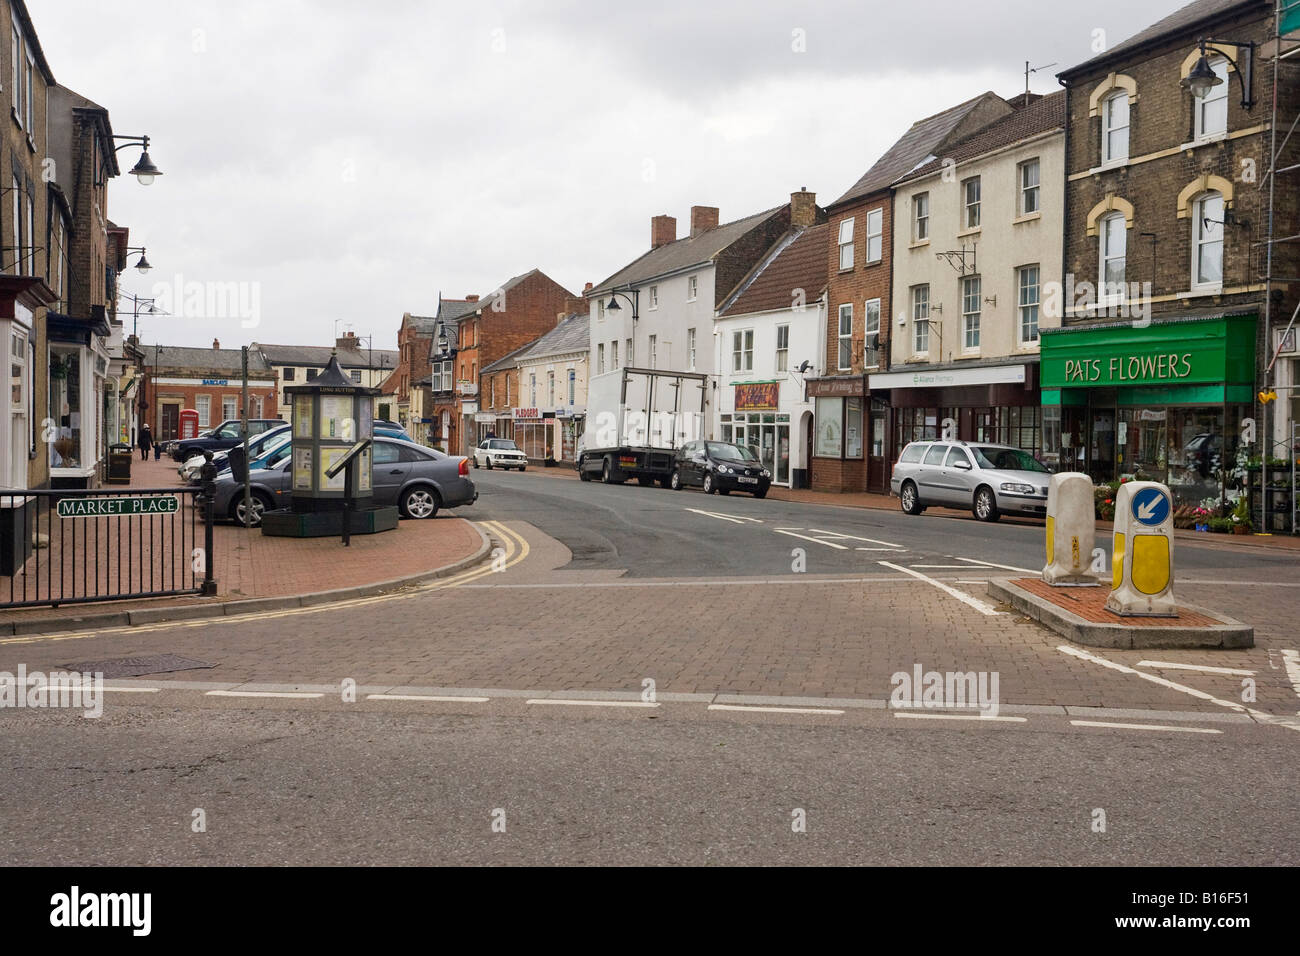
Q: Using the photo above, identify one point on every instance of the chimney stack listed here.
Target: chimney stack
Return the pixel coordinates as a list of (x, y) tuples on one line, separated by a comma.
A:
[(663, 230), (216, 344), (703, 218), (471, 298), (803, 207), (348, 342)]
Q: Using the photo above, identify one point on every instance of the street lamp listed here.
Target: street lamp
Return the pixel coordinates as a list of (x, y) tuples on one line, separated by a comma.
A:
[(634, 300), (1202, 78), (144, 169), (143, 265)]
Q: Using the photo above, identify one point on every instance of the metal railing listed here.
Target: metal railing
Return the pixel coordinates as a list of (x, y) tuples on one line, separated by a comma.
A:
[(81, 546)]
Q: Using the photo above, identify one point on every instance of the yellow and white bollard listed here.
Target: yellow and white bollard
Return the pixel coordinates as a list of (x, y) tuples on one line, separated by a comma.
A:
[(1071, 531), (1143, 561)]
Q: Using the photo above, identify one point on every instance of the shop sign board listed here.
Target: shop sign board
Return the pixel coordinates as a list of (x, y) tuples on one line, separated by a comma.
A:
[(758, 396)]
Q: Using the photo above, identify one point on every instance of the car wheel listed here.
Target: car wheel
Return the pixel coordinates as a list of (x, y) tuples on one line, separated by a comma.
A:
[(260, 504), (709, 486), (910, 499), (489, 464), (476, 461), (675, 480), (420, 502), (986, 505), (606, 473), (523, 467), (583, 473)]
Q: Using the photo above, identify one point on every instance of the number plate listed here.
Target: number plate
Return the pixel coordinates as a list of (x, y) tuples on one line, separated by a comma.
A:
[(748, 481)]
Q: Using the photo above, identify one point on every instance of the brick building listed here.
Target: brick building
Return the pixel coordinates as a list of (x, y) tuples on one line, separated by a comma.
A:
[(850, 446), (499, 396), (1165, 303), (413, 338), (208, 381), (477, 332)]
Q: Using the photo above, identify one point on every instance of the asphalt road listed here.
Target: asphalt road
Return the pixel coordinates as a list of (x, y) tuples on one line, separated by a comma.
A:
[(654, 532), (287, 784)]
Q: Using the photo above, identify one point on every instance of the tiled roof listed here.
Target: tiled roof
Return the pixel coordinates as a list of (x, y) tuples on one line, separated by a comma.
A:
[(320, 354), (915, 146), (449, 310), (571, 335), (1181, 20), (683, 253), (423, 324), (508, 360), (804, 263), (1039, 116), (226, 360)]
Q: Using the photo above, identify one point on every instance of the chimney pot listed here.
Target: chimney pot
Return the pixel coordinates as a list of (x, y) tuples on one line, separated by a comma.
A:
[(703, 218), (663, 230)]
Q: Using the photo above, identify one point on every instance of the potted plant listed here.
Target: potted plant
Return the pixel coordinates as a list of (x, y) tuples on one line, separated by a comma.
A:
[(1241, 515), (1220, 525)]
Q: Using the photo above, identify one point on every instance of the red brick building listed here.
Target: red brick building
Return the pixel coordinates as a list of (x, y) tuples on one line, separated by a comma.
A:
[(859, 302), (476, 332), (206, 380)]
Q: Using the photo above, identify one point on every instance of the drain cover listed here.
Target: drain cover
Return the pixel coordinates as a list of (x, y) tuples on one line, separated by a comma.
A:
[(138, 666)]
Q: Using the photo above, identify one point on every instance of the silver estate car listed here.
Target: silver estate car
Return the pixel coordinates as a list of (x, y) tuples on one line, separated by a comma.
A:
[(991, 480)]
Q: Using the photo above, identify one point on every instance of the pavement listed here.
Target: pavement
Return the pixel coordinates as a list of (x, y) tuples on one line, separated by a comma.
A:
[(249, 565)]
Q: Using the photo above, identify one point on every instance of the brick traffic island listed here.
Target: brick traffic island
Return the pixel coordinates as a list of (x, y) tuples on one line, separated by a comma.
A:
[(1080, 614), (250, 566)]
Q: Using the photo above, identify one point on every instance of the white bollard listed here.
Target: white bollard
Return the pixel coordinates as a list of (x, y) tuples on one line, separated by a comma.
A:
[(1071, 531), (1143, 561)]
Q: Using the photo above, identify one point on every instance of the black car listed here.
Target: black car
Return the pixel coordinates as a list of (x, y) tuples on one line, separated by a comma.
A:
[(226, 435), (719, 467)]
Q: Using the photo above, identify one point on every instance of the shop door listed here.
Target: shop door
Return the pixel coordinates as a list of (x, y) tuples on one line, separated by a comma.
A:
[(782, 470), (877, 465), (1101, 451), (170, 421)]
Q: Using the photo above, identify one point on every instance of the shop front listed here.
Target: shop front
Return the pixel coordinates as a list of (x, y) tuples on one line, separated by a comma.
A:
[(532, 433), (571, 423), (1164, 401), (766, 417), (836, 443), (78, 401), (987, 403)]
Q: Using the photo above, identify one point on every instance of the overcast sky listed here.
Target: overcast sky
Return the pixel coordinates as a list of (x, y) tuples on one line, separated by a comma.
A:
[(345, 161)]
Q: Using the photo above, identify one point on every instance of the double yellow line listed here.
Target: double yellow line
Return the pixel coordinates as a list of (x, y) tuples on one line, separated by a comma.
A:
[(512, 550)]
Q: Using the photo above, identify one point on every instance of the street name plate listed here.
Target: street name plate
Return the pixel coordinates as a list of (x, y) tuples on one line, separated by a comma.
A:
[(118, 507)]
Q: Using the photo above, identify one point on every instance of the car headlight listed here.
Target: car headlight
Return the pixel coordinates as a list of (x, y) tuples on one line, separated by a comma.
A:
[(724, 469), (1017, 488), (766, 473)]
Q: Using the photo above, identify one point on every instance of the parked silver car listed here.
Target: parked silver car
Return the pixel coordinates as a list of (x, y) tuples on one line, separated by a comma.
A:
[(419, 481), (991, 480)]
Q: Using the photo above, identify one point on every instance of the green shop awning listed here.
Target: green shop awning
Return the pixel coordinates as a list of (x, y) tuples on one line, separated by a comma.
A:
[(1197, 359)]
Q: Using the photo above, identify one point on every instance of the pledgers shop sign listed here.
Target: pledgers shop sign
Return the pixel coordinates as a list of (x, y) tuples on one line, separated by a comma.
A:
[(1215, 351)]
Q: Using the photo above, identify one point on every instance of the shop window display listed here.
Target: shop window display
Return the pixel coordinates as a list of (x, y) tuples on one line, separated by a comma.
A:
[(65, 403)]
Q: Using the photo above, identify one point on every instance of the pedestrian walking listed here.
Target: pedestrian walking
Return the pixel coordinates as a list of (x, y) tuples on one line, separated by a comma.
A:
[(146, 442)]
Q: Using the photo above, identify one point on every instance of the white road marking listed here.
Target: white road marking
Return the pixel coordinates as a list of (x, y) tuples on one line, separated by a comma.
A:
[(943, 567), (1259, 715), (775, 710), (592, 703), (735, 519), (854, 537), (447, 699), (976, 603), (131, 690), (88, 685), (1167, 665), (260, 693), (1014, 720), (1180, 730), (879, 549), (1004, 567), (1291, 660), (829, 544)]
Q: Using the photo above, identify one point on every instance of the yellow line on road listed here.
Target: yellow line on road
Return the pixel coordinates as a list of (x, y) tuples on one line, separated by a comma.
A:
[(515, 550)]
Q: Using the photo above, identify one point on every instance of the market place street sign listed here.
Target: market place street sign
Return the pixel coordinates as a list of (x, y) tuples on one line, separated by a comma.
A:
[(118, 507)]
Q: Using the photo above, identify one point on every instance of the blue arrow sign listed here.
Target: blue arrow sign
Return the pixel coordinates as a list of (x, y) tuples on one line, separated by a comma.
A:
[(1150, 506)]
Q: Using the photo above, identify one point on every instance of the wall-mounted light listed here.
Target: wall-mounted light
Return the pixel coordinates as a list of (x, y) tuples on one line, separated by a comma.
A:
[(1202, 78)]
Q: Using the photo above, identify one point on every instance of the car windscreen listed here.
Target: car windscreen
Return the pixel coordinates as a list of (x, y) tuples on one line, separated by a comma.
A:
[(720, 449), (1007, 459), (504, 444)]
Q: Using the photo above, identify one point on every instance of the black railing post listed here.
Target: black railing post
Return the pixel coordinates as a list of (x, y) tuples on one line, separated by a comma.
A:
[(209, 475)]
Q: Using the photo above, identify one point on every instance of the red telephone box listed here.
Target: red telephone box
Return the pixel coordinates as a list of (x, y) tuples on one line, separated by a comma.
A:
[(189, 423)]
